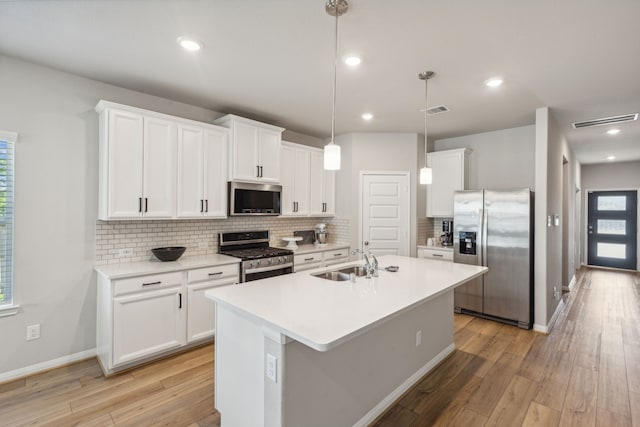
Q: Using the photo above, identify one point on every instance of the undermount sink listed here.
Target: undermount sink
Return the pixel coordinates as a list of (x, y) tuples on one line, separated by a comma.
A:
[(343, 274)]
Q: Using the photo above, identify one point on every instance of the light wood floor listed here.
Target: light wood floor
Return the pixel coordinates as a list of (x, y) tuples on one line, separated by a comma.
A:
[(586, 372)]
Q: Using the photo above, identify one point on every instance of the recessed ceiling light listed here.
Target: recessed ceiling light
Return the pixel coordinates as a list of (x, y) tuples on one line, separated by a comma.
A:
[(352, 60), (611, 158), (367, 116), (189, 43), (613, 131), (493, 82)]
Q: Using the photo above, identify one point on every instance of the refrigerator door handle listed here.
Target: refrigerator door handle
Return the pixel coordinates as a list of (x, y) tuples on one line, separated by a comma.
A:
[(480, 237), (485, 240)]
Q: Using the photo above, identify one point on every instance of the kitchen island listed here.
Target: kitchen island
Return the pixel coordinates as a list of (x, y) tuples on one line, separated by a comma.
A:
[(299, 350)]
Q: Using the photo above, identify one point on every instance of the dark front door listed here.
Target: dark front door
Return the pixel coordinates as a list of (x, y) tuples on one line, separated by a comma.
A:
[(612, 234)]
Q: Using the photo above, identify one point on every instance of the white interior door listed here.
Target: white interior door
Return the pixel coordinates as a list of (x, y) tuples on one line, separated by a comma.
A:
[(385, 213)]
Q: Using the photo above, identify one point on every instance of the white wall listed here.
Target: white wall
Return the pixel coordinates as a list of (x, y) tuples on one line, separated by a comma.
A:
[(375, 152), (56, 204), (501, 159)]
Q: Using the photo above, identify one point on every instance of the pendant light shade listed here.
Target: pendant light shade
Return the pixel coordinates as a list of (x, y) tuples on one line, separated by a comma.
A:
[(332, 157), (426, 176), (332, 150)]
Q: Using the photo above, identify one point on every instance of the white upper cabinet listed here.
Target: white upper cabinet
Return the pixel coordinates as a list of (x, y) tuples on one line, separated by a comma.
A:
[(254, 149), (157, 166), (137, 166), (323, 187), (202, 172), (450, 170), (294, 177)]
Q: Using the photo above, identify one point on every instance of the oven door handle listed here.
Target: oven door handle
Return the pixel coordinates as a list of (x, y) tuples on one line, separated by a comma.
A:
[(268, 268)]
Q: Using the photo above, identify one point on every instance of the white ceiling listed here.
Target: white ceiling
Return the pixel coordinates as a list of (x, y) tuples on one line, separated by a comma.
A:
[(273, 60)]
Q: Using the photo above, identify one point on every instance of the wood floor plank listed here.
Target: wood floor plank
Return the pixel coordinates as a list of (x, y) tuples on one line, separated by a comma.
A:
[(632, 363), (613, 393), (469, 418), (398, 415), (634, 400), (580, 401), (555, 380), (541, 416), (521, 343), (607, 418), (514, 403), (537, 357)]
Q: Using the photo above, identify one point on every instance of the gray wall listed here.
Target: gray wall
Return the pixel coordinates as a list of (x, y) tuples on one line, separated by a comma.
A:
[(56, 204), (375, 152), (500, 160)]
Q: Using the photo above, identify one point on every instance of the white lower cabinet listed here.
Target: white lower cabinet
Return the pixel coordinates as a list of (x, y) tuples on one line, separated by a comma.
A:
[(436, 253), (201, 315), (321, 258), (146, 323), (143, 317)]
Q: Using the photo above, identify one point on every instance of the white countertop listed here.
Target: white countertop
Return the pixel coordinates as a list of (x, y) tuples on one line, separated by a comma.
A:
[(322, 314), (305, 249), (132, 269), (437, 247)]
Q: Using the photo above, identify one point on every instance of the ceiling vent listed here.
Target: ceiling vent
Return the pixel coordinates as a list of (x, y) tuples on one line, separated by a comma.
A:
[(437, 110), (605, 121)]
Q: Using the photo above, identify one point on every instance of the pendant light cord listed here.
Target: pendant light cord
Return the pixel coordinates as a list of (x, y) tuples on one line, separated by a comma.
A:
[(335, 76), (426, 89)]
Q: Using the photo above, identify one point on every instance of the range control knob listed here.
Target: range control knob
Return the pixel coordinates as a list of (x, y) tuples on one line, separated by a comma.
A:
[(279, 260), (286, 258), (258, 262), (251, 264), (270, 261)]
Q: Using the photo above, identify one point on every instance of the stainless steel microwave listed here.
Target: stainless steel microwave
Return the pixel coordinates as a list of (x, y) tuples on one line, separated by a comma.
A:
[(254, 199)]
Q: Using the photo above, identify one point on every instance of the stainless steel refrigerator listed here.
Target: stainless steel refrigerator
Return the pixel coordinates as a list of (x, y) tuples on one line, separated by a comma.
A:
[(494, 228)]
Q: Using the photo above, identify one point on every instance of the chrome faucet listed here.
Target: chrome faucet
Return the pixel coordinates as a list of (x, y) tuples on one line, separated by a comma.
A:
[(370, 268)]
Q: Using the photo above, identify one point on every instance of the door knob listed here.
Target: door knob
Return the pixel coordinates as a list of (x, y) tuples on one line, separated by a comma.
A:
[(366, 243)]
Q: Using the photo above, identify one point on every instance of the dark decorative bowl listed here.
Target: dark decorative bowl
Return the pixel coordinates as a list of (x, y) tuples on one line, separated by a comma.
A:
[(169, 254)]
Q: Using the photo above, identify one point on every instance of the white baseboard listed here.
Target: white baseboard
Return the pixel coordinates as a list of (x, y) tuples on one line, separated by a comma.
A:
[(44, 366), (377, 410), (545, 329), (572, 283)]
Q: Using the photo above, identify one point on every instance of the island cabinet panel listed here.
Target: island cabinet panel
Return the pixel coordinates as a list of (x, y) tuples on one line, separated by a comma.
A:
[(450, 172)]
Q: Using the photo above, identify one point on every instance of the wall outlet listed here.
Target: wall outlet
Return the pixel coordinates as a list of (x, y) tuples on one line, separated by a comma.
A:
[(418, 338), (33, 332), (272, 367), (556, 294), (125, 252), (203, 245)]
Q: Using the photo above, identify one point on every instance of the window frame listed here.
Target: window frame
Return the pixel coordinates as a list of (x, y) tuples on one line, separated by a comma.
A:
[(10, 307)]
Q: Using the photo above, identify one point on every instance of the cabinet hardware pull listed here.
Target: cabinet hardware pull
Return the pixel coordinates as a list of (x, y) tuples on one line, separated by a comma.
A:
[(206, 205), (438, 255), (257, 171), (152, 283), (146, 204), (260, 171), (340, 254), (201, 205), (140, 204), (180, 300), (217, 273), (309, 259), (293, 209)]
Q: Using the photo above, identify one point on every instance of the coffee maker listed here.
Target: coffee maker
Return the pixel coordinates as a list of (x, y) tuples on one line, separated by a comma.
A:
[(447, 233)]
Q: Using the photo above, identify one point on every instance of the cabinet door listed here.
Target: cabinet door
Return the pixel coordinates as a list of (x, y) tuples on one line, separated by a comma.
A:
[(448, 176), (244, 152), (215, 173), (201, 315), (269, 158), (147, 323), (301, 181), (190, 170), (125, 136), (287, 163), (316, 183), (329, 192), (159, 168)]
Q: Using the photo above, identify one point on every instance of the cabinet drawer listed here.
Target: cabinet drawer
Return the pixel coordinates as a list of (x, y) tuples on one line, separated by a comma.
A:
[(213, 273), (329, 256), (308, 266), (436, 254), (144, 283), (311, 258)]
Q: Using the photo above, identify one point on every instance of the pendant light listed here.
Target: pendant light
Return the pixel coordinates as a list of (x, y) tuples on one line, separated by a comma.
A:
[(332, 150), (425, 173)]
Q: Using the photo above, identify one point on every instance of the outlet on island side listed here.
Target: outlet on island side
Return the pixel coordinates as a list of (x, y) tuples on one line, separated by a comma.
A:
[(418, 338), (33, 332)]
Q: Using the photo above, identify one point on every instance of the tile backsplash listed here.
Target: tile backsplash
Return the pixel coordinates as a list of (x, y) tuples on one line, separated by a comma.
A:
[(131, 241)]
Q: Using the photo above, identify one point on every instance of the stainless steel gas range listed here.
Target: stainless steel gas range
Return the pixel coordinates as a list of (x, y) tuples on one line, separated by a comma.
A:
[(259, 260)]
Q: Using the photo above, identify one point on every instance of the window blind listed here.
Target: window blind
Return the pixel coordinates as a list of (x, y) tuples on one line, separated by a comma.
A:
[(7, 144)]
